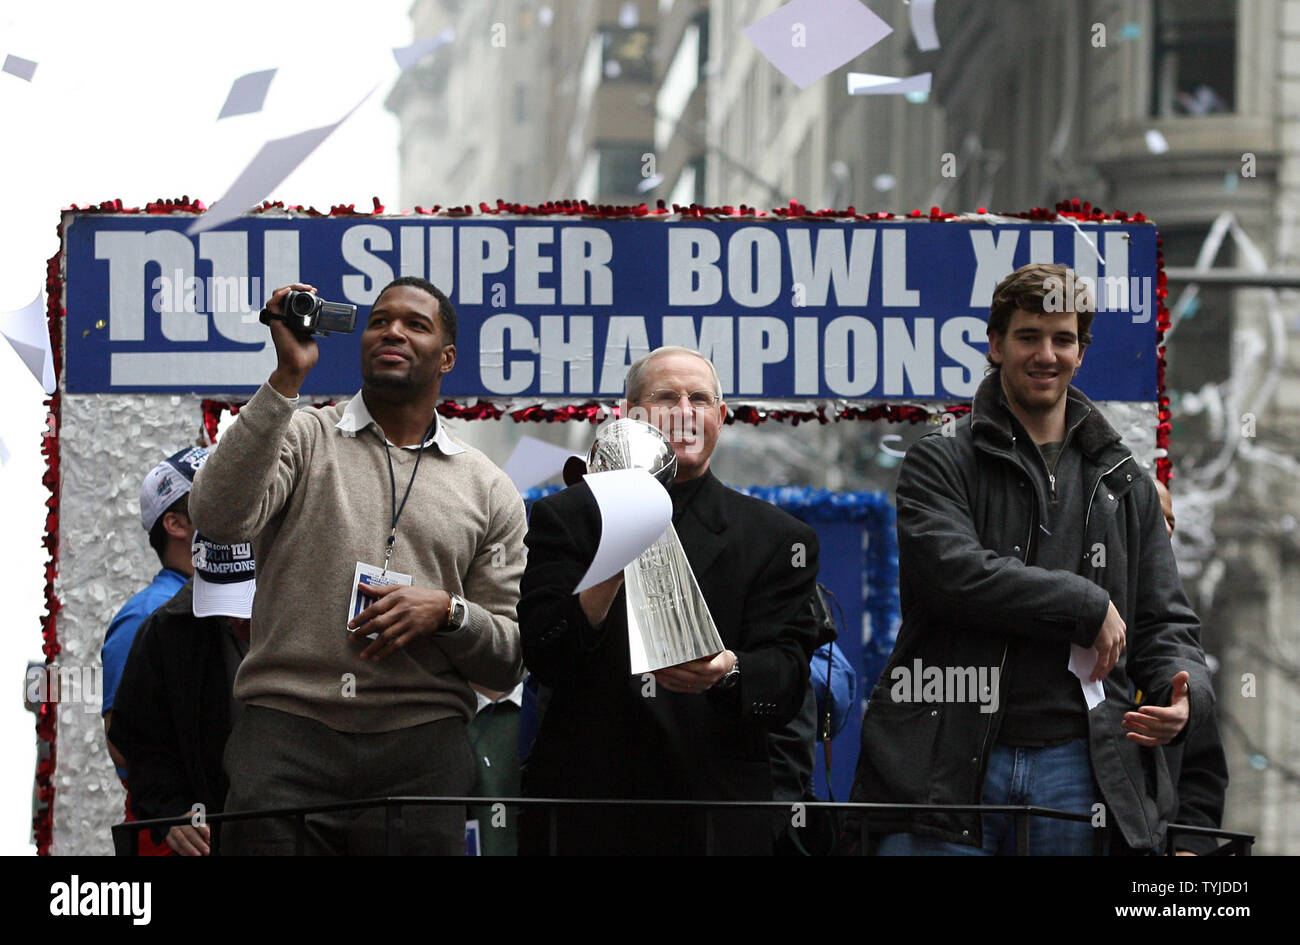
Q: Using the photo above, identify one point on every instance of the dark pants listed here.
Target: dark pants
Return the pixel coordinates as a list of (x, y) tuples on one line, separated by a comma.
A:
[(277, 759)]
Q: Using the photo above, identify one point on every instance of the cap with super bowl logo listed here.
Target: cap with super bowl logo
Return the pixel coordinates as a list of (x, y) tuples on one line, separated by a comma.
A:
[(224, 581), (167, 482)]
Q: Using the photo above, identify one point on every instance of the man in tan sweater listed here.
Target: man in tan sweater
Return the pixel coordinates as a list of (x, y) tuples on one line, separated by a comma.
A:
[(375, 489)]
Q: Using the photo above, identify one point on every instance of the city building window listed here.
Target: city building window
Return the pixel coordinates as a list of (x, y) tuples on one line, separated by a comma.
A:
[(1194, 57), (680, 79), (802, 173), (588, 177), (521, 103), (626, 53), (1200, 346), (589, 74), (689, 188), (619, 169)]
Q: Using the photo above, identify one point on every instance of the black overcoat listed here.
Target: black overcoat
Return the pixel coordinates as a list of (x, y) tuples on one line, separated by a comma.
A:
[(608, 734)]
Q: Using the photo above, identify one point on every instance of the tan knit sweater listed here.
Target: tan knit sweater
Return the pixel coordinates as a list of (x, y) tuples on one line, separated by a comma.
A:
[(318, 501)]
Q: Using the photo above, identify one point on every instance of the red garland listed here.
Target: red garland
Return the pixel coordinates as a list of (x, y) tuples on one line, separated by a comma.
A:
[(579, 413), (894, 413), (595, 413), (47, 712), (1082, 211), (1164, 417), (479, 411), (213, 409)]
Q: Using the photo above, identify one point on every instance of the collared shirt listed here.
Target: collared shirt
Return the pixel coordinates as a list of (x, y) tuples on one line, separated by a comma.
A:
[(515, 695), (356, 417)]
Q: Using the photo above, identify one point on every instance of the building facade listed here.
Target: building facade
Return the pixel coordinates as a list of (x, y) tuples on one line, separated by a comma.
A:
[(1186, 110)]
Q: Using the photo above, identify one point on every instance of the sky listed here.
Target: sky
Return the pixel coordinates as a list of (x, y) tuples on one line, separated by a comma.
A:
[(123, 104)]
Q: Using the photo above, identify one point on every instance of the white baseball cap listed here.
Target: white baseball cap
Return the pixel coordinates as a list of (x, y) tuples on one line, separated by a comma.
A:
[(167, 482), (224, 578)]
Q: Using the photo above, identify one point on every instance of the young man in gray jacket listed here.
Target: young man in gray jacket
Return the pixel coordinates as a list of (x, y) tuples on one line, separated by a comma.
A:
[(1030, 542), (351, 695)]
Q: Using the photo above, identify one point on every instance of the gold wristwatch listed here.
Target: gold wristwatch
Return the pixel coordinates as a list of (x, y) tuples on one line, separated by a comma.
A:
[(457, 612)]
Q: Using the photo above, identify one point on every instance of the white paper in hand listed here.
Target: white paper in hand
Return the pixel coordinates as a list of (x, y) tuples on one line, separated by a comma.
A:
[(634, 511), (1082, 663)]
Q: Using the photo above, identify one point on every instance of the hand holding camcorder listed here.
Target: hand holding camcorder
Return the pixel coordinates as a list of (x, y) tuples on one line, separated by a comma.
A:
[(296, 351), (308, 314)]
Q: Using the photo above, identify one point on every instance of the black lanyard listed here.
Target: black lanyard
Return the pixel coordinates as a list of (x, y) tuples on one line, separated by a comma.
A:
[(392, 481)]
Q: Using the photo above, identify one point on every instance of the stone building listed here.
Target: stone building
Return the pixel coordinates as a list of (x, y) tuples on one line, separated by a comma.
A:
[(1187, 110)]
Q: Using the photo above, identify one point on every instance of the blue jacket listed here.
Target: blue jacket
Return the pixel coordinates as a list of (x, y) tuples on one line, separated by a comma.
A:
[(121, 632)]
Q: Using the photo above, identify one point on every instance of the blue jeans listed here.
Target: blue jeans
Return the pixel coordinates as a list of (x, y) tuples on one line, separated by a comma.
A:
[(1059, 778)]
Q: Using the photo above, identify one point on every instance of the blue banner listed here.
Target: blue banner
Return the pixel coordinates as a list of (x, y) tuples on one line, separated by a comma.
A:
[(557, 308)]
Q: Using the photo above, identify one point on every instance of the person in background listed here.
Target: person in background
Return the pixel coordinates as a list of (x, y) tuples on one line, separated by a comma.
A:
[(1197, 767), (164, 513), (494, 739), (175, 705)]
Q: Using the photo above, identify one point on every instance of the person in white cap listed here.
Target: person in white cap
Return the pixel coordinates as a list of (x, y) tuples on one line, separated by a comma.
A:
[(164, 513), (175, 706)]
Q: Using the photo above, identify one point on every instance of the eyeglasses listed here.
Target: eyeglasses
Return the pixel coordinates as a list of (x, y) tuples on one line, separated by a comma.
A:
[(700, 399)]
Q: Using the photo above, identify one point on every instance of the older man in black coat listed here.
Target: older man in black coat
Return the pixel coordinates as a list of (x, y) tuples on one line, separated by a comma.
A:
[(694, 731)]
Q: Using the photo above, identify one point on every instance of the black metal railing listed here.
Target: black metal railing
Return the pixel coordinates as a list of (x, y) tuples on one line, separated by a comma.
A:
[(125, 835)]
